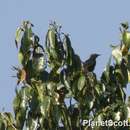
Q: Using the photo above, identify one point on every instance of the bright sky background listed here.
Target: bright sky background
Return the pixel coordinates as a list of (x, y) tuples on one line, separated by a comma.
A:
[(92, 24)]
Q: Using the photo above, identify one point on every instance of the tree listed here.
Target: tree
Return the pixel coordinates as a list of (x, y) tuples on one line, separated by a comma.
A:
[(51, 73)]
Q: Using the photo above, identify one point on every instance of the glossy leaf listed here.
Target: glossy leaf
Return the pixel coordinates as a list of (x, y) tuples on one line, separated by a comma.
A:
[(81, 82), (128, 76), (117, 54), (18, 35), (20, 105), (52, 38), (21, 57), (107, 70), (124, 50), (32, 124), (100, 89), (126, 38), (2, 125), (128, 60), (68, 50)]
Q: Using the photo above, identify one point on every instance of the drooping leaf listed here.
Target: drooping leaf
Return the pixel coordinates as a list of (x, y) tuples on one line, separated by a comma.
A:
[(20, 105), (21, 57), (128, 76), (26, 41), (69, 52), (24, 35), (32, 123), (119, 75), (100, 88), (124, 50), (117, 54), (76, 66), (124, 68), (106, 73), (18, 35), (2, 125), (56, 114), (54, 49), (121, 94), (128, 60), (45, 106), (66, 118), (126, 38), (81, 82), (52, 38), (128, 67), (9, 117)]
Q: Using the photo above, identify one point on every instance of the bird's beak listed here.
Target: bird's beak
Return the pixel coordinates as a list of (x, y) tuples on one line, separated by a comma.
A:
[(98, 55)]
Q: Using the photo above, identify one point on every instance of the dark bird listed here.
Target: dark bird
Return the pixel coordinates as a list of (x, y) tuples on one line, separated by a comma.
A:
[(89, 65)]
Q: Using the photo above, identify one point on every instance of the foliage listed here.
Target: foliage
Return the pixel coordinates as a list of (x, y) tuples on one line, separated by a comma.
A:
[(51, 73)]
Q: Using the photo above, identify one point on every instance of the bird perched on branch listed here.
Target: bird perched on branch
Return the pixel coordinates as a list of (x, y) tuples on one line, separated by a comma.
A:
[(21, 75), (89, 64)]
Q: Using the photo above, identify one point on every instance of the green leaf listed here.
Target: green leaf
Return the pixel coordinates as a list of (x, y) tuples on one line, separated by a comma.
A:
[(9, 117), (81, 82), (121, 94), (99, 88), (10, 128), (128, 76), (53, 54), (25, 42), (45, 106), (56, 113), (6, 121), (66, 118), (124, 50), (69, 52), (76, 66), (124, 71), (18, 35), (52, 38), (53, 49), (20, 105), (128, 60), (24, 35), (2, 123), (119, 74), (108, 65), (90, 101), (27, 39), (128, 67), (126, 38), (117, 54), (32, 123), (20, 57)]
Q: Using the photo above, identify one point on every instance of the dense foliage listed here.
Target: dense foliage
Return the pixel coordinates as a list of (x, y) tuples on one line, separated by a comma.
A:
[(51, 73)]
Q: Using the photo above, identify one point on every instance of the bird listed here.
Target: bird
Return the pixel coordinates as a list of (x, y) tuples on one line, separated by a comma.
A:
[(21, 75), (89, 64)]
